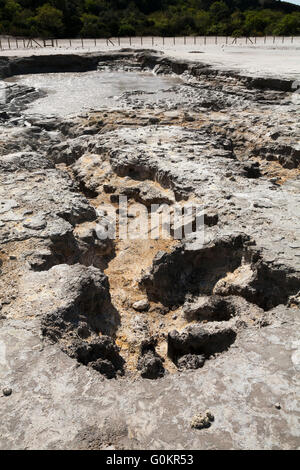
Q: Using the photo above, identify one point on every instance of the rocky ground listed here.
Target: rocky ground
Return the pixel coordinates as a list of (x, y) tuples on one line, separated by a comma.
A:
[(179, 326)]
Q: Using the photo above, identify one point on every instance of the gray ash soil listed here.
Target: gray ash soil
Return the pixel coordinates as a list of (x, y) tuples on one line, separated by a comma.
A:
[(177, 325)]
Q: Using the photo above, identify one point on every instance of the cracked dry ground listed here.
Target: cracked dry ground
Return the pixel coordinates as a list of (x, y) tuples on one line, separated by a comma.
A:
[(159, 308)]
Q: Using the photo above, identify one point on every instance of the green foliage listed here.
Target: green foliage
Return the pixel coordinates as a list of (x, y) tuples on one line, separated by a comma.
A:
[(48, 21), (219, 11), (289, 24), (93, 27), (105, 18)]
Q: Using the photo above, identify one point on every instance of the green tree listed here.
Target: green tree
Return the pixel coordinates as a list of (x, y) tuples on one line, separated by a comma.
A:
[(288, 25), (202, 21), (11, 9), (49, 21), (219, 11), (93, 27), (126, 30)]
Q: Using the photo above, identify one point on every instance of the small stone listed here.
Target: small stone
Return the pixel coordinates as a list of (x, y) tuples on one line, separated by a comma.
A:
[(7, 391), (109, 188), (83, 331), (141, 305), (278, 406), (189, 118), (153, 120), (191, 361), (202, 420)]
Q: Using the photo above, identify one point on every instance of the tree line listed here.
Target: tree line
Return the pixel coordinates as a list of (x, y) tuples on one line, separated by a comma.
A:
[(107, 18)]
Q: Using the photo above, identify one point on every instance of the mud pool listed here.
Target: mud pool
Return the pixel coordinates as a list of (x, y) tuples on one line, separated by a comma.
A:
[(71, 93)]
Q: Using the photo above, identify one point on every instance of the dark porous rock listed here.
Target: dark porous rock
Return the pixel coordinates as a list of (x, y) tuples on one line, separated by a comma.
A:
[(102, 354), (211, 218), (191, 361), (4, 116), (150, 363), (251, 170)]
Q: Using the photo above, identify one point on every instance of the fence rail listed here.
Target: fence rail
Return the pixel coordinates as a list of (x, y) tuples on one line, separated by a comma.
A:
[(10, 43)]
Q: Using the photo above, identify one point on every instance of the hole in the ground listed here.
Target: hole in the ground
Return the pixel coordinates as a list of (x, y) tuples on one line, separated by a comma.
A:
[(225, 267), (192, 270), (209, 308), (88, 192), (271, 286), (198, 341), (102, 354)]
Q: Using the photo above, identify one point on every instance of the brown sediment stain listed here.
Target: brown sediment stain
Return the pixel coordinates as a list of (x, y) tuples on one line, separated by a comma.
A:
[(132, 257), (273, 169)]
